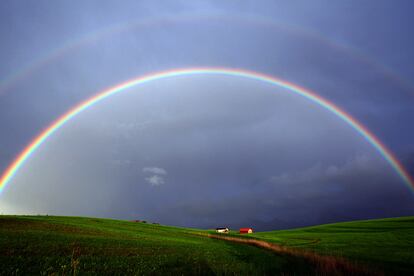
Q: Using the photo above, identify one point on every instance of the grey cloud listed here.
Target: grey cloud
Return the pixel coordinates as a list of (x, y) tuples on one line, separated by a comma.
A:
[(320, 174), (222, 147), (360, 188), (237, 151)]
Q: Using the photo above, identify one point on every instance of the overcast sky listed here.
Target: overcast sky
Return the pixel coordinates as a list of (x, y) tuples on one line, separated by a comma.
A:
[(208, 151)]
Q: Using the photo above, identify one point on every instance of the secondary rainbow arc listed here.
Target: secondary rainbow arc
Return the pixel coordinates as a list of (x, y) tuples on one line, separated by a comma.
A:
[(312, 96)]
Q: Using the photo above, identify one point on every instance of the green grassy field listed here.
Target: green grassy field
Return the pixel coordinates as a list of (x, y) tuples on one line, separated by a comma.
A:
[(46, 245), (64, 245), (387, 244)]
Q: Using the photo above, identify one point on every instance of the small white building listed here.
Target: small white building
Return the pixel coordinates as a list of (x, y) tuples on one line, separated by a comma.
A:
[(222, 230)]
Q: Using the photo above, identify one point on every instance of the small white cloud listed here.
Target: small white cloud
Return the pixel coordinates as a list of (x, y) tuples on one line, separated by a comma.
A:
[(155, 180), (157, 176), (154, 170)]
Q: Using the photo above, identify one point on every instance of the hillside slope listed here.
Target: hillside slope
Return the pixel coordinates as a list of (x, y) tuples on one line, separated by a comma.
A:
[(62, 245), (387, 244)]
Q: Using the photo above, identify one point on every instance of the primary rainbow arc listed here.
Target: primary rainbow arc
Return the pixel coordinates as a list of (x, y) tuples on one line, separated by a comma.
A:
[(312, 96)]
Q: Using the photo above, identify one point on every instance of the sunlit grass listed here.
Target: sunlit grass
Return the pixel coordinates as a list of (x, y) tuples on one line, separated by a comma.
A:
[(386, 243), (68, 245), (49, 245)]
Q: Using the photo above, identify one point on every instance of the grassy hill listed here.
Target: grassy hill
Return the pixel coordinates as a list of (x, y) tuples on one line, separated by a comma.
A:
[(387, 244), (63, 245), (49, 245)]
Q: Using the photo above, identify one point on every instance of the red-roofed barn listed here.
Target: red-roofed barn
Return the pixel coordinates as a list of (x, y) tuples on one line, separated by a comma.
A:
[(246, 230)]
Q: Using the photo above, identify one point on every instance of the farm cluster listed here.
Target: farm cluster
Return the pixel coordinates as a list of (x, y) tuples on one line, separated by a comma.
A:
[(225, 230)]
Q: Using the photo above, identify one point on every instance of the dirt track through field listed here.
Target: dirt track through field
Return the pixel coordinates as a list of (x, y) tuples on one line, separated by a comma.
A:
[(324, 264)]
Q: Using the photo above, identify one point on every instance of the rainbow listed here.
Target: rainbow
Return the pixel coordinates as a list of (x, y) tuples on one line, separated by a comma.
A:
[(312, 96)]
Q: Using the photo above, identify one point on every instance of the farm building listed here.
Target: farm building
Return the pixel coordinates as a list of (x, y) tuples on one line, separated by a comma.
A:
[(222, 230), (246, 230)]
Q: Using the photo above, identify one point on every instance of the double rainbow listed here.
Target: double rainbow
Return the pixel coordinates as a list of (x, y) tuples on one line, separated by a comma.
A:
[(362, 130)]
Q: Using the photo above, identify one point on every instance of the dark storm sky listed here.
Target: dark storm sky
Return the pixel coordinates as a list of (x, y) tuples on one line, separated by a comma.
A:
[(208, 150)]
